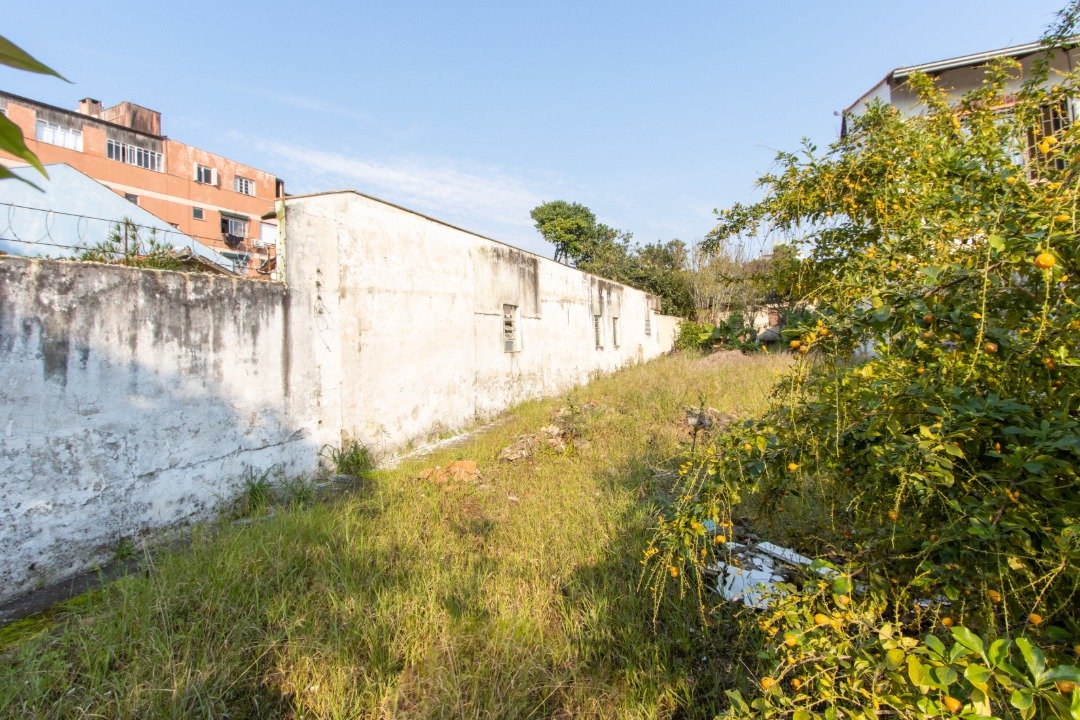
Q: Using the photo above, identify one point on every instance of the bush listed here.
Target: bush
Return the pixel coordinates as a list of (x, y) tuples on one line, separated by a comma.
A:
[(945, 460)]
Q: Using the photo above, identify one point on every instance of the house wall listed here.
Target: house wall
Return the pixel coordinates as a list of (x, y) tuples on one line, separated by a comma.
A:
[(958, 81), (132, 400), (404, 318), (172, 194)]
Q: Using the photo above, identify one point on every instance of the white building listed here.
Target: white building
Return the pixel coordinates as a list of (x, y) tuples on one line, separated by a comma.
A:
[(960, 75)]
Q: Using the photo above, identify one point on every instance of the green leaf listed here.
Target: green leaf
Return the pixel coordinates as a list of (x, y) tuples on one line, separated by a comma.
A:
[(969, 640), (801, 715), (1063, 672), (11, 141), (894, 657), (14, 56), (999, 652), (1033, 657), (935, 645), (736, 699), (945, 676), (1020, 699), (978, 676)]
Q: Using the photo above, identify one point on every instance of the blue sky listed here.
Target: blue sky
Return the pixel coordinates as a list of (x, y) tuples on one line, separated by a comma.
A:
[(650, 113)]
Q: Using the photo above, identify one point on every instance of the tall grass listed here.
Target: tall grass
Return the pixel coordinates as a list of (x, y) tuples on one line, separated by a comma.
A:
[(512, 596)]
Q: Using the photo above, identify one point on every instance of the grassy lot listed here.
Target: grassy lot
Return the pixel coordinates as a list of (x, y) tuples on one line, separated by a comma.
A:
[(511, 596)]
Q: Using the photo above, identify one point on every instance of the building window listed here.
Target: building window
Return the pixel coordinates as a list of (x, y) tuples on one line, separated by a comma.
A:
[(197, 213), (234, 226), (511, 338), (243, 185), (53, 134), (134, 155), (615, 332), (648, 320), (205, 175), (130, 197), (1055, 118), (597, 335)]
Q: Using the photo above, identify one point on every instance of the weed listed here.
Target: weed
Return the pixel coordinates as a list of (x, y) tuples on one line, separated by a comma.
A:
[(412, 599), (349, 459)]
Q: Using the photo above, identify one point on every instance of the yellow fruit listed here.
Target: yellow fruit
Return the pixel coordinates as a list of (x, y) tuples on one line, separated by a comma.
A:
[(871, 252), (803, 350), (821, 619), (790, 639), (674, 571), (893, 515), (1035, 619), (947, 621), (1049, 362), (952, 704), (794, 344), (921, 370), (793, 466), (767, 682), (928, 318), (1065, 686), (720, 539), (991, 347), (1062, 217), (1011, 180), (997, 447), (796, 683), (994, 596), (1045, 261), (1044, 147), (747, 446)]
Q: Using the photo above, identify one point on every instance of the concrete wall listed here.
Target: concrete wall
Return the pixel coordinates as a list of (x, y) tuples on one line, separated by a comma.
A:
[(404, 316), (131, 400)]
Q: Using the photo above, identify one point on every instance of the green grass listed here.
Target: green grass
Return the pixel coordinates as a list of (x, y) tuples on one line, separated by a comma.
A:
[(512, 597)]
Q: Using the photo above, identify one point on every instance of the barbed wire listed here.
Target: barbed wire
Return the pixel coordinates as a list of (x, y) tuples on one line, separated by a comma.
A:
[(37, 226)]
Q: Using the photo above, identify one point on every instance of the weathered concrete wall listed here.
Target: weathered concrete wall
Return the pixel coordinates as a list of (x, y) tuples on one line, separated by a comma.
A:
[(131, 400), (404, 317)]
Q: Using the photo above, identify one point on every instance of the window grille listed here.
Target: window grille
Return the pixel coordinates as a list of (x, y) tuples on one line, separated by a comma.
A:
[(510, 329)]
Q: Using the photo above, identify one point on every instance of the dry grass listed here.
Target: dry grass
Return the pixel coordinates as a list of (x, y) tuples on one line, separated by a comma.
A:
[(511, 597)]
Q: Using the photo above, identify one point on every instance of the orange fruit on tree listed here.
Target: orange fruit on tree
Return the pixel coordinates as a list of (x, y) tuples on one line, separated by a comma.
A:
[(1065, 686), (796, 683), (821, 619), (991, 347), (791, 639), (1035, 619), (994, 596), (947, 621), (767, 682), (893, 515), (1062, 217), (794, 344), (952, 704), (1045, 261), (793, 466)]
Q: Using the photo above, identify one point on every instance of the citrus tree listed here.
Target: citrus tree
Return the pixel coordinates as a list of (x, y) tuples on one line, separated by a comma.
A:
[(932, 418)]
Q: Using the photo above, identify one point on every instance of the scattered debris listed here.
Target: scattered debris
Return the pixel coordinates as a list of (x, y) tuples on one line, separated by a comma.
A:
[(709, 419), (563, 433), (513, 498), (458, 471), (753, 570)]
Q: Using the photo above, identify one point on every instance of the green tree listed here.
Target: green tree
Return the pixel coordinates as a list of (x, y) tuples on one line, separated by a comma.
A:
[(570, 227), (11, 139)]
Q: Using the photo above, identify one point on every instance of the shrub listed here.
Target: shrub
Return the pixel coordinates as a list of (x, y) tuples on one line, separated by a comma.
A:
[(945, 460)]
